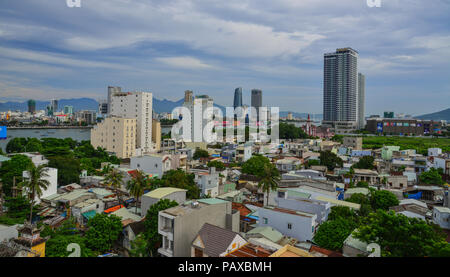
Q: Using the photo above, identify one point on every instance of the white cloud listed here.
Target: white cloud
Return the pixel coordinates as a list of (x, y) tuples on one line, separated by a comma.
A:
[(185, 62)]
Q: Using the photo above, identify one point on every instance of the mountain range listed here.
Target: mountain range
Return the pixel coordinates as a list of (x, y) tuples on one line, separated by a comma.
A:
[(441, 115), (159, 106)]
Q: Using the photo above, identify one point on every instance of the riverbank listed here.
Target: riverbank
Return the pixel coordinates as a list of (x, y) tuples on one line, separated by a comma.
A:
[(48, 127)]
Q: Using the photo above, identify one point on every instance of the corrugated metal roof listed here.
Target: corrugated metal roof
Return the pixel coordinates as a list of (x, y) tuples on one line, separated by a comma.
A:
[(162, 192)]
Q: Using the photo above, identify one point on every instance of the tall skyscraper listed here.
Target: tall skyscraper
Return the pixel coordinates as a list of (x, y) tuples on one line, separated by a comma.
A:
[(31, 106), (340, 89), (54, 105), (106, 109), (188, 96), (201, 104), (68, 109), (135, 105), (361, 100), (237, 98), (256, 101)]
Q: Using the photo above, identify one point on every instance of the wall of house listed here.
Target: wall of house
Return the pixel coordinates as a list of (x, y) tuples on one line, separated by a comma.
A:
[(303, 227)]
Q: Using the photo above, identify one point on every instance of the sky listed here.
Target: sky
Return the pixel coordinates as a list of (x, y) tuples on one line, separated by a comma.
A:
[(49, 50)]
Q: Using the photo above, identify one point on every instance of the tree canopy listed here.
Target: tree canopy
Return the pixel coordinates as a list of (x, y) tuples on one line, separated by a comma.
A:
[(255, 165), (366, 162), (103, 231), (330, 160), (431, 177)]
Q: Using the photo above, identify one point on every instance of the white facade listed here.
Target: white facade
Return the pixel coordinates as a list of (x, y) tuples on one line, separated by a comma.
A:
[(441, 216), (53, 183), (433, 152), (36, 158), (208, 182), (197, 108), (135, 105)]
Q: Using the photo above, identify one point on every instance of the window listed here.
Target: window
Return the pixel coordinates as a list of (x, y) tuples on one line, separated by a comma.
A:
[(289, 226), (265, 220)]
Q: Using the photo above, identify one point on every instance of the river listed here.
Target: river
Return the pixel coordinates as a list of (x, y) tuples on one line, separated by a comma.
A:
[(76, 134)]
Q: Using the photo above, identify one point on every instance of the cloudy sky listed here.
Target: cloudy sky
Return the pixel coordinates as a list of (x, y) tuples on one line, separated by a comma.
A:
[(213, 46)]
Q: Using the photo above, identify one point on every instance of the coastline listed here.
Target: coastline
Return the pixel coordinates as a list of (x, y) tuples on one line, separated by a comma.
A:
[(48, 127)]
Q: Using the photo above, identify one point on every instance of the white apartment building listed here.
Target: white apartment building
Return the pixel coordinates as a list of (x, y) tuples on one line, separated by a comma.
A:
[(116, 135), (197, 107), (136, 105)]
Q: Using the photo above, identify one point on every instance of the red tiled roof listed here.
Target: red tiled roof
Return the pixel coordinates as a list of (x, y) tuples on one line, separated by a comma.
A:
[(243, 210), (324, 251), (249, 251)]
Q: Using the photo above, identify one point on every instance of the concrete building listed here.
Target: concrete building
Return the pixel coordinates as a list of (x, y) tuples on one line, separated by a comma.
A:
[(400, 126), (353, 142), (441, 216), (136, 105), (197, 107), (361, 100), (208, 182), (179, 225), (237, 98), (295, 224), (152, 197), (158, 164), (340, 91), (89, 117), (214, 241), (31, 106), (156, 135), (36, 158), (256, 101), (117, 135)]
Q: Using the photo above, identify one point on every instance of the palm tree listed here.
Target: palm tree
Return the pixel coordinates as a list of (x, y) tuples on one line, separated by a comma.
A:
[(35, 184), (270, 177), (114, 179), (137, 184)]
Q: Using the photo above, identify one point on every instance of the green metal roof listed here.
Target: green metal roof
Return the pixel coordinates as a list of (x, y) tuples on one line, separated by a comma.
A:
[(90, 214), (162, 192), (212, 201), (267, 232)]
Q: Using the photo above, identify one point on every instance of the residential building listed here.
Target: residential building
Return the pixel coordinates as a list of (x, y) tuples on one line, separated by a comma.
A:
[(291, 252), (361, 100), (116, 134), (353, 142), (68, 110), (208, 182), (156, 135), (340, 104), (152, 197), (214, 241), (89, 117), (157, 164), (136, 105), (354, 247), (179, 225), (197, 107), (295, 224), (441, 216)]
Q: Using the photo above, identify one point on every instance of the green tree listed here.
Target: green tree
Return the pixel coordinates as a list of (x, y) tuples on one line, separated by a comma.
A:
[(200, 153), (114, 180), (216, 164), (180, 179), (35, 184), (33, 145), (255, 165), (151, 234), (431, 177), (332, 234), (16, 145), (103, 231), (270, 176), (289, 131), (12, 170), (365, 162), (312, 162), (401, 236), (137, 184), (139, 247), (362, 184), (56, 246), (69, 169), (330, 160), (383, 199), (364, 201)]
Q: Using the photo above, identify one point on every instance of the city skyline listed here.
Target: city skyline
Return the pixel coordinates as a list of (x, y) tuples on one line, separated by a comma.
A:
[(251, 46)]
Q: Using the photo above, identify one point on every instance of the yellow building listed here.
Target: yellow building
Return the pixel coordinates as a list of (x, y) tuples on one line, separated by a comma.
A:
[(156, 135), (117, 135), (30, 238)]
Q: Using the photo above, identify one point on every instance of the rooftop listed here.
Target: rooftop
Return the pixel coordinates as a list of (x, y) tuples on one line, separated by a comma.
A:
[(267, 232), (291, 251), (162, 192)]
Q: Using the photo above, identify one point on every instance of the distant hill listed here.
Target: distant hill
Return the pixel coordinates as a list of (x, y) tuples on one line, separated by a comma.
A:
[(159, 106), (78, 105), (442, 115)]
